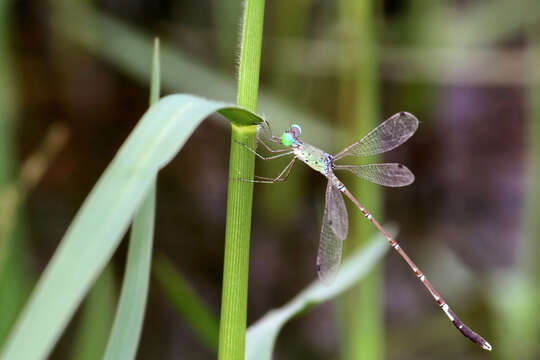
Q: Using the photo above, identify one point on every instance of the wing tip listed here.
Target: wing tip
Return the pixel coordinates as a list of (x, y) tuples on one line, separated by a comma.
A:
[(408, 115), (407, 174), (325, 277)]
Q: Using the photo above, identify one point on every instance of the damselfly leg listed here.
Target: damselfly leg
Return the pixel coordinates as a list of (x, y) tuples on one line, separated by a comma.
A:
[(283, 176)]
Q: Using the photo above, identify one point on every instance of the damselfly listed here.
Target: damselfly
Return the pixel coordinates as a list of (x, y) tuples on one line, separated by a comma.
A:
[(387, 136)]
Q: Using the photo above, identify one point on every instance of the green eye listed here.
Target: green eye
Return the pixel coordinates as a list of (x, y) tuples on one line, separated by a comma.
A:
[(287, 139)]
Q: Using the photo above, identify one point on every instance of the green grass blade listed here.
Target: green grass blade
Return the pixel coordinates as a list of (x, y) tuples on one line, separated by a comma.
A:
[(96, 318), (155, 80), (127, 327), (187, 303), (126, 332), (261, 336), (104, 217)]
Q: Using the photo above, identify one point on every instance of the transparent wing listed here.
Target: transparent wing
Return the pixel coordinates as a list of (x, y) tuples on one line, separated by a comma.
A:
[(335, 226), (264, 134), (264, 131), (385, 137), (390, 174)]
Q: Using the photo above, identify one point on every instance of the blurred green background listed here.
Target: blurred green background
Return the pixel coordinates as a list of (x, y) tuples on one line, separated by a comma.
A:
[(469, 70)]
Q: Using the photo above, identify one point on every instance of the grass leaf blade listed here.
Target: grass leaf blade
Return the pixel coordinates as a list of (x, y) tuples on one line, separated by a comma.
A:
[(103, 219), (187, 303), (127, 327), (262, 335)]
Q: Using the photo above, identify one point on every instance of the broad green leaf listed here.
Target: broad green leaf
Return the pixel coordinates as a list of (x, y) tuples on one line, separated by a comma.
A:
[(104, 217), (127, 327), (261, 336)]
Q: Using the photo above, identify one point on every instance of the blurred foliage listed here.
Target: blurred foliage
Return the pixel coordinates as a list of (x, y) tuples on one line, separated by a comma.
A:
[(15, 276), (467, 69), (188, 305), (96, 319), (286, 86), (126, 47), (261, 336), (521, 285), (361, 308), (97, 229)]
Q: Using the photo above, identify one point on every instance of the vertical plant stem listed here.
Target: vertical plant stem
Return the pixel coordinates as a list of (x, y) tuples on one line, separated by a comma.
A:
[(232, 329), (515, 302), (250, 54), (361, 307), (531, 228)]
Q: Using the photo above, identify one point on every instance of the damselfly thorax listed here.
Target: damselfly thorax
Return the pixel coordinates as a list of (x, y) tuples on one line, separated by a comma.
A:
[(319, 160)]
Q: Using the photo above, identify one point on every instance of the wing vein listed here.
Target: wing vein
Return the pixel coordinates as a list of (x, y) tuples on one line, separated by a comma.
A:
[(388, 135), (335, 226)]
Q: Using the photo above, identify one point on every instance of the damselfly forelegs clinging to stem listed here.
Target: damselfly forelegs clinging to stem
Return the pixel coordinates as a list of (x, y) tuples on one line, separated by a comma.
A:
[(387, 136)]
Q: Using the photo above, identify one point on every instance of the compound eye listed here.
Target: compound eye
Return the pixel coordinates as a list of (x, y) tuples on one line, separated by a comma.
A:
[(287, 139), (296, 130)]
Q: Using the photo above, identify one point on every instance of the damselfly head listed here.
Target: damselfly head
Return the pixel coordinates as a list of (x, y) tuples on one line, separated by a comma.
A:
[(296, 130), (290, 136)]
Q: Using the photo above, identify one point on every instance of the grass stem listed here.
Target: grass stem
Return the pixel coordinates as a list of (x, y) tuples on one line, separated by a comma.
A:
[(240, 193)]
